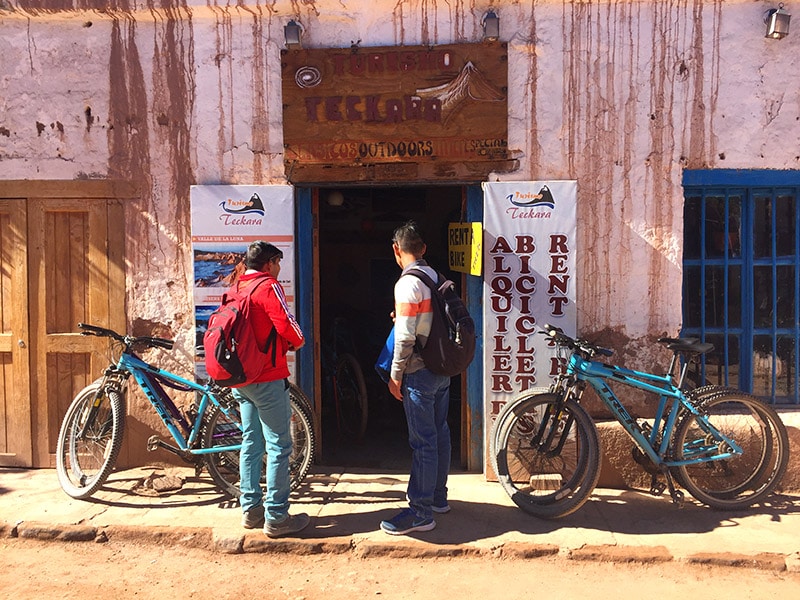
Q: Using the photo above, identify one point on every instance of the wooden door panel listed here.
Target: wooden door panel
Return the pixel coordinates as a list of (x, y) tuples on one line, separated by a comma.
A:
[(61, 262), (68, 240), (15, 406)]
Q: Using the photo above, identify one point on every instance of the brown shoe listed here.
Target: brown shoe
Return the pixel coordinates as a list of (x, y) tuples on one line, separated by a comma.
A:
[(288, 526), (253, 518)]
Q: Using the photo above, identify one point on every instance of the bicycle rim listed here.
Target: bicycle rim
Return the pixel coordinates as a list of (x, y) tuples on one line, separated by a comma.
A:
[(303, 439), (547, 458), (504, 413), (351, 398), (225, 430), (741, 480), (89, 441)]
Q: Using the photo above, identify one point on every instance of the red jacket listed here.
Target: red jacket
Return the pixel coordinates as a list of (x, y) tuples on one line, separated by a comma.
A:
[(268, 311)]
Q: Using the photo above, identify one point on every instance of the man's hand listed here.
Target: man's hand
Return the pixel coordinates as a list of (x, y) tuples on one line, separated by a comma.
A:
[(394, 389)]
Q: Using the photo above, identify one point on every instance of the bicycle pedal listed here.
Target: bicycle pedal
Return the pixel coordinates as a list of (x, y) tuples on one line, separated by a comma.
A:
[(678, 498), (153, 443), (656, 489)]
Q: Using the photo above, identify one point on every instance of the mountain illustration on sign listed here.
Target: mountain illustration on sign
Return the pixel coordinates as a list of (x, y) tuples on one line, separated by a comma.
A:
[(470, 84), (254, 206), (543, 198)]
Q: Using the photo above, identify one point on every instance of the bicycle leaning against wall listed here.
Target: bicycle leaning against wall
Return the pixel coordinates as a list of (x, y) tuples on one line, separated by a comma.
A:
[(207, 434), (728, 449)]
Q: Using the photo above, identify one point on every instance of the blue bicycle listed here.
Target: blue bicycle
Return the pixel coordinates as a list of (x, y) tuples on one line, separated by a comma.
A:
[(206, 434), (727, 448)]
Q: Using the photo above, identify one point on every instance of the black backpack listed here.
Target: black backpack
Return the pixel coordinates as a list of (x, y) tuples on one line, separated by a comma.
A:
[(451, 343)]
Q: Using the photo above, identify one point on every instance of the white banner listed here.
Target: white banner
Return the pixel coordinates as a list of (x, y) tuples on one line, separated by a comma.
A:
[(529, 280), (225, 220)]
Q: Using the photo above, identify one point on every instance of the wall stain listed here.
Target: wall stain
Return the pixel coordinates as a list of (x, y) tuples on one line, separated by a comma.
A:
[(158, 231), (606, 91)]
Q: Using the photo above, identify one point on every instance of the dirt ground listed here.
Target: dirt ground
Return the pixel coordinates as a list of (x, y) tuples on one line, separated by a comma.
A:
[(32, 568)]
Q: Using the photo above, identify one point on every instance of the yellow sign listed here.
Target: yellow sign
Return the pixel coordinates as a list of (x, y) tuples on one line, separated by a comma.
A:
[(465, 247)]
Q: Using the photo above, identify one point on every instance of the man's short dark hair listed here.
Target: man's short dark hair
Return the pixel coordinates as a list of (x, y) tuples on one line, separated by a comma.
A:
[(409, 238), (260, 253)]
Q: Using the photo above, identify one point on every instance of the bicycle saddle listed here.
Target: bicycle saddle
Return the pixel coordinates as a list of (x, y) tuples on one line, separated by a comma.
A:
[(689, 345)]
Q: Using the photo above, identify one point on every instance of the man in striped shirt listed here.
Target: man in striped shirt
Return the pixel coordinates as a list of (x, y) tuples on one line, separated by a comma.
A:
[(425, 396)]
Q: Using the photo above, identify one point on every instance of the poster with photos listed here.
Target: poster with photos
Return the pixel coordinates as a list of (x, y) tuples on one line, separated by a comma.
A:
[(225, 220)]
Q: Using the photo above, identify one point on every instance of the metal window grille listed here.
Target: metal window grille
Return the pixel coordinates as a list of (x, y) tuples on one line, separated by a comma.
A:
[(741, 276)]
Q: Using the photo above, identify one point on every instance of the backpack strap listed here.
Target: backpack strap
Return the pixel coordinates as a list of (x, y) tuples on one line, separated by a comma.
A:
[(434, 287), (272, 338), (272, 341), (426, 279)]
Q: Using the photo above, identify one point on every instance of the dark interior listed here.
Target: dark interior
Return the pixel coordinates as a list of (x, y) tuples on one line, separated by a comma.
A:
[(357, 276)]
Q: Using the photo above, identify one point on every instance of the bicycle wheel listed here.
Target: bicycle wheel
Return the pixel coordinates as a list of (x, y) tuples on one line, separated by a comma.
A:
[(547, 456), (351, 398), (224, 430), (740, 480), (303, 438), (89, 440), (506, 411)]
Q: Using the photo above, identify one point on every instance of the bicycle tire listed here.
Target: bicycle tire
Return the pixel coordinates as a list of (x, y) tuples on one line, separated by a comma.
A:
[(556, 478), (303, 437), (222, 430), (351, 398), (696, 397), (84, 462), (739, 481), (507, 410)]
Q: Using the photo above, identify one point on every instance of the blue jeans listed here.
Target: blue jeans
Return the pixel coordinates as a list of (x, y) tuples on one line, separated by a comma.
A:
[(266, 416), (426, 398)]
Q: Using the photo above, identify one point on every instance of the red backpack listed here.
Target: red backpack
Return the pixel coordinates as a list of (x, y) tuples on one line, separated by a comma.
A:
[(233, 358)]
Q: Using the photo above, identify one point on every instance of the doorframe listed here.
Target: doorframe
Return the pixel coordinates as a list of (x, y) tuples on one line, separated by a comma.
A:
[(308, 302), (473, 288)]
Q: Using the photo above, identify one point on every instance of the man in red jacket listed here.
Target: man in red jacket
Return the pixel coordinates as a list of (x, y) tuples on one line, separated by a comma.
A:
[(265, 407)]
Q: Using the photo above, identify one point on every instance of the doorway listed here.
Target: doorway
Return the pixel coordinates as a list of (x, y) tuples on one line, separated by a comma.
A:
[(357, 273), (61, 259)]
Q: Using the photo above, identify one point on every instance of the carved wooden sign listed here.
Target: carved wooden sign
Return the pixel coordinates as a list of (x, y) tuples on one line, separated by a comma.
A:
[(389, 113)]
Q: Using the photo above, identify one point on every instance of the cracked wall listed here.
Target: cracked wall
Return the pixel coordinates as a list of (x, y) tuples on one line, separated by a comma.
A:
[(619, 95)]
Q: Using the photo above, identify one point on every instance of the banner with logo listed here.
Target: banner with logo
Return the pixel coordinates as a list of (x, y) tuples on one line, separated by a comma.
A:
[(225, 220), (529, 280)]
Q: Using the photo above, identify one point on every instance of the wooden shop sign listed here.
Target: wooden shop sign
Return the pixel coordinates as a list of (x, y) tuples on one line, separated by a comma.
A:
[(392, 113)]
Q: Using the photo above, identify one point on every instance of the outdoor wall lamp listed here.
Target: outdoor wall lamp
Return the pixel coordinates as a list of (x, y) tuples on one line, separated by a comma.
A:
[(491, 26), (777, 21), (292, 32)]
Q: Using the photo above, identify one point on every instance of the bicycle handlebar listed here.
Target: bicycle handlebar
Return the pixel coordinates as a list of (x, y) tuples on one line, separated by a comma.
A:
[(148, 341), (562, 339), (687, 345)]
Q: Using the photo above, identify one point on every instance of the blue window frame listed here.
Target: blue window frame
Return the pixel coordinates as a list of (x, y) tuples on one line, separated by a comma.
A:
[(741, 276)]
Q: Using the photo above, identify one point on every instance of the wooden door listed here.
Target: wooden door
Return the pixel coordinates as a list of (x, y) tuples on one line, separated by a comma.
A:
[(71, 239), (15, 408)]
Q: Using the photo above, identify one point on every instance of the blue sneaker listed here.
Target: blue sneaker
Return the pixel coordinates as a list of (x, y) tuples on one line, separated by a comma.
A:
[(441, 509), (407, 521)]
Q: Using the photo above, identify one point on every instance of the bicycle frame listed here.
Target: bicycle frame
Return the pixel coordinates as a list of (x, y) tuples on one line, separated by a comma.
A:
[(672, 403), (147, 376)]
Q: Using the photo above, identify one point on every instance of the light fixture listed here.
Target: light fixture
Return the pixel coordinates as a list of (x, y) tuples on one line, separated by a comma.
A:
[(777, 21), (292, 32), (335, 198), (491, 26)]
